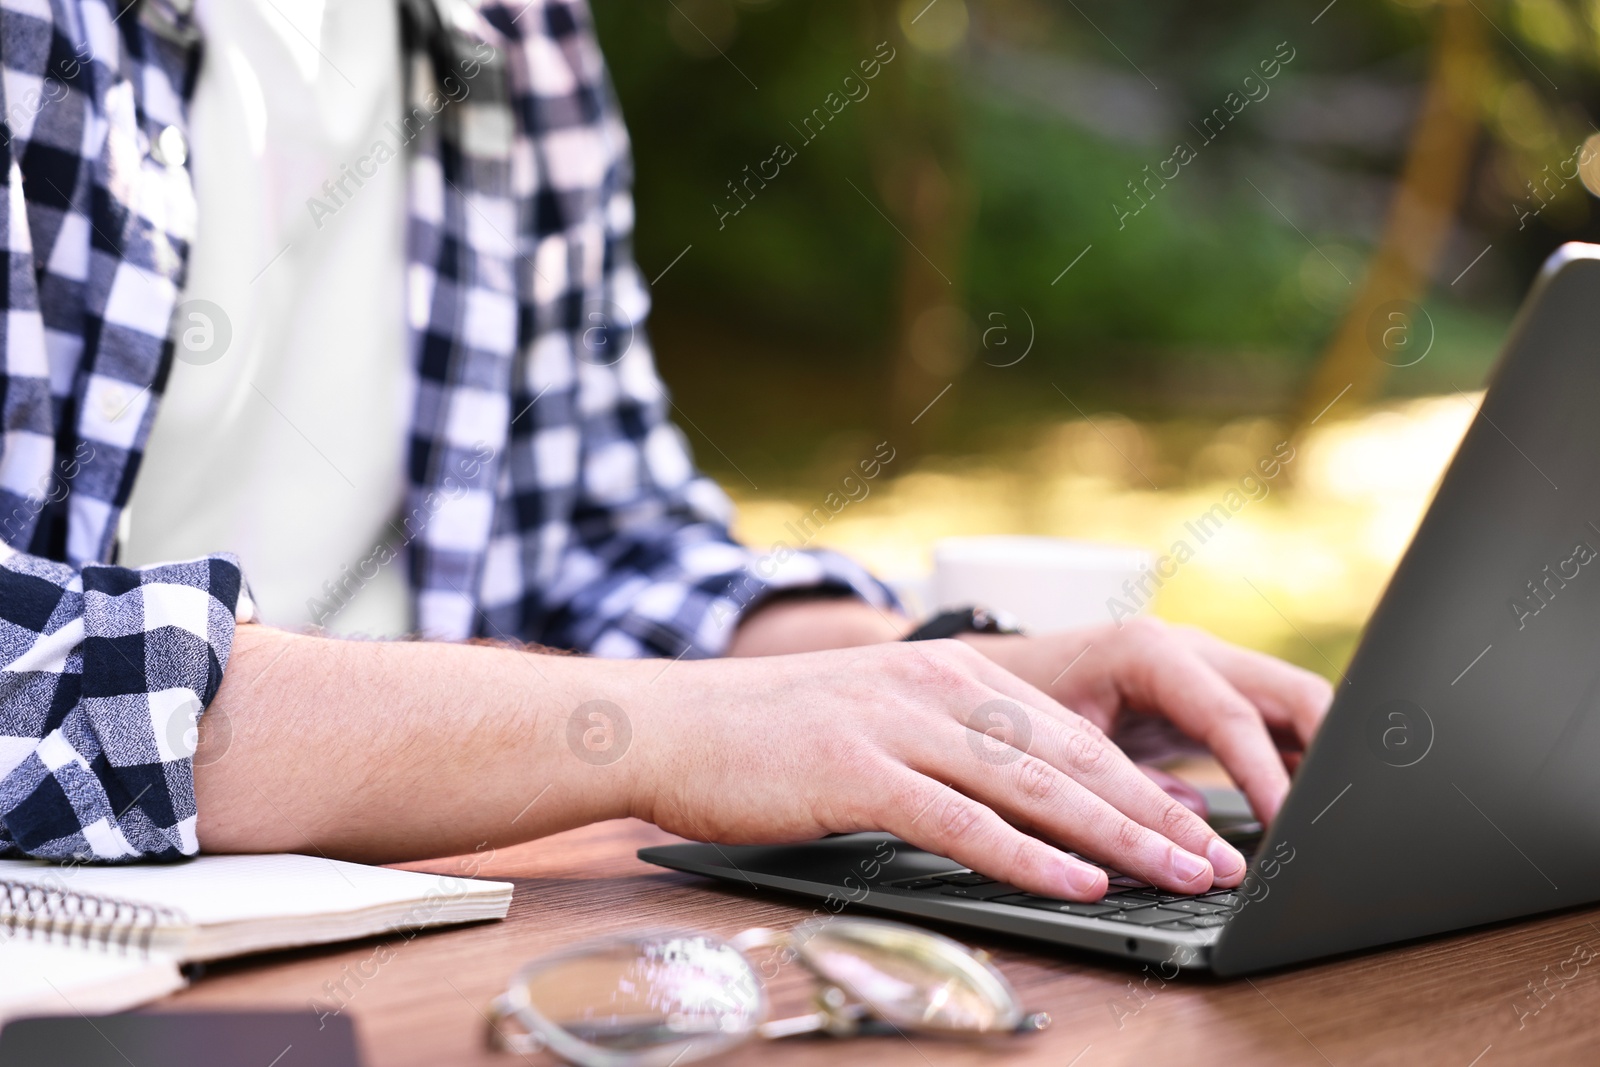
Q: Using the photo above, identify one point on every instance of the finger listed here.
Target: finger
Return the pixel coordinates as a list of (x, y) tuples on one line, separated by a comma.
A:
[(1076, 747), (1088, 757), (1032, 791), (1289, 697), (939, 819), (1172, 679), (1177, 789)]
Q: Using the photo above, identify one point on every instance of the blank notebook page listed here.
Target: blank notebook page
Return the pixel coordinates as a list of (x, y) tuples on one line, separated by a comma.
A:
[(47, 978), (212, 890)]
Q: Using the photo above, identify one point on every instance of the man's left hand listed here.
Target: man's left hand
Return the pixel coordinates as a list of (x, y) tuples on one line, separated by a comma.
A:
[(1255, 713)]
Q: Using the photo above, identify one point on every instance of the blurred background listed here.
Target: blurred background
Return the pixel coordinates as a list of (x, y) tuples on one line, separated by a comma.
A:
[(1083, 263)]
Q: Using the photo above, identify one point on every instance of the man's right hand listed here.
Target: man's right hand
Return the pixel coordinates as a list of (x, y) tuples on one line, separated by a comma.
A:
[(930, 741), (388, 751)]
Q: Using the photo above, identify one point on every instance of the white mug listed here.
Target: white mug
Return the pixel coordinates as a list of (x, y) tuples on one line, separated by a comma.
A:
[(1044, 583)]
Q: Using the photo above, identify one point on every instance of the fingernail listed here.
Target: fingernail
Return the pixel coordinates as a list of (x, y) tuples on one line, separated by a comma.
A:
[(1188, 866), (1083, 880), (1225, 859)]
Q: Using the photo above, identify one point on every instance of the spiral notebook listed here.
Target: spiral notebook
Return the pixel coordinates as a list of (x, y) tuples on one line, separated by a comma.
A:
[(100, 939)]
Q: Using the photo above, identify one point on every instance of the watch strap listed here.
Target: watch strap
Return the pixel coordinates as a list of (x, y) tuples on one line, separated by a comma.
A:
[(968, 620)]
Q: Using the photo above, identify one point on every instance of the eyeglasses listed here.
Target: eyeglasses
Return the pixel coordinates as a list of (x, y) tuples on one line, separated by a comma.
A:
[(670, 997)]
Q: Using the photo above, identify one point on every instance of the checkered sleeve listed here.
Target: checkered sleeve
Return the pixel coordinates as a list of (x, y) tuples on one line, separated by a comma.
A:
[(651, 568), (659, 574), (613, 543), (106, 672)]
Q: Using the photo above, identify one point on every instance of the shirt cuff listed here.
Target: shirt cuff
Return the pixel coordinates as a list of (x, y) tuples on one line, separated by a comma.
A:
[(126, 660), (785, 570)]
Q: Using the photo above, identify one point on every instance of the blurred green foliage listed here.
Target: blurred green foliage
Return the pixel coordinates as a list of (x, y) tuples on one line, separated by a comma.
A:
[(1217, 296)]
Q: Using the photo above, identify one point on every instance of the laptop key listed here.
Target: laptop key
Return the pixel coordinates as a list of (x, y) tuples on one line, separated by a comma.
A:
[(1064, 907), (1129, 901), (979, 892), (963, 879), (1178, 925), (1204, 921), (1148, 916), (918, 883), (1128, 882), (1160, 896), (1227, 898), (1196, 907)]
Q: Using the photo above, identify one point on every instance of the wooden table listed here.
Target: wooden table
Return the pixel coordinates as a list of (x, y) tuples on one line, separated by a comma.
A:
[(1452, 1001)]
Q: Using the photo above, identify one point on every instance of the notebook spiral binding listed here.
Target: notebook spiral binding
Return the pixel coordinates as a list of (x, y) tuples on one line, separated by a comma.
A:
[(55, 913)]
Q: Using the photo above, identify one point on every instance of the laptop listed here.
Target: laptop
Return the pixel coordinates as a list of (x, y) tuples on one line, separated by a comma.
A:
[(1456, 779)]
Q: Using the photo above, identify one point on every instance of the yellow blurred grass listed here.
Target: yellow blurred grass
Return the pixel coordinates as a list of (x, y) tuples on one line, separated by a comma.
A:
[(1318, 547)]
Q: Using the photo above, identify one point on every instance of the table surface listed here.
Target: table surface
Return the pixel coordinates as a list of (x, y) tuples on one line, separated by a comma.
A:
[(1462, 1000)]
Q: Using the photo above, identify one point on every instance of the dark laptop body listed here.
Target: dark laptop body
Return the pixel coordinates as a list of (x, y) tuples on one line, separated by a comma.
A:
[(1456, 780)]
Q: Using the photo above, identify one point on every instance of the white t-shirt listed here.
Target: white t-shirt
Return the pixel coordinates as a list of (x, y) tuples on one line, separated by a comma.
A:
[(289, 448)]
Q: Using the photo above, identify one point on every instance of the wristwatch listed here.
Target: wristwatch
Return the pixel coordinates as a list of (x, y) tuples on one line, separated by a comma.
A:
[(964, 621)]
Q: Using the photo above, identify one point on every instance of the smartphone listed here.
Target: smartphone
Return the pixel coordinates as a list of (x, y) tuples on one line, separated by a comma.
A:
[(189, 1038)]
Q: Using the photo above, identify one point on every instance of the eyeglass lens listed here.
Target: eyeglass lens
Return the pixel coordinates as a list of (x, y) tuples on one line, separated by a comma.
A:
[(910, 977), (687, 995)]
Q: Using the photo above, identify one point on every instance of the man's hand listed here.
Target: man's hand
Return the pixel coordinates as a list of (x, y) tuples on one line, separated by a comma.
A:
[(1256, 713), (899, 737), (384, 751)]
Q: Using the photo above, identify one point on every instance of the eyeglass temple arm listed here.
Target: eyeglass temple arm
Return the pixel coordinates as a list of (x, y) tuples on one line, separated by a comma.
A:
[(868, 1026), (836, 1014)]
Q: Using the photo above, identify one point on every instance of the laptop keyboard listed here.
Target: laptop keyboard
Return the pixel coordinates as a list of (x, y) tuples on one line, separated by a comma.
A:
[(1132, 902), (1127, 901)]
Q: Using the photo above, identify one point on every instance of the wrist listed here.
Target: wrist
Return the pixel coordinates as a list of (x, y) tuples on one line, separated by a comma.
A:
[(1003, 649), (812, 624), (603, 713)]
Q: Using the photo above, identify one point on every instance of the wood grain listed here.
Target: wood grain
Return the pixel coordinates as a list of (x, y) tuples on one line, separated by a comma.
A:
[(1451, 1000)]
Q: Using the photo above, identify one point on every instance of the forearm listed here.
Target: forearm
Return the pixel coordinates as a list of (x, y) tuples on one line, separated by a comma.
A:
[(382, 751)]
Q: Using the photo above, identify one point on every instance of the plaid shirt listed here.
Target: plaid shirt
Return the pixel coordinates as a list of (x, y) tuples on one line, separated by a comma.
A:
[(549, 497)]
